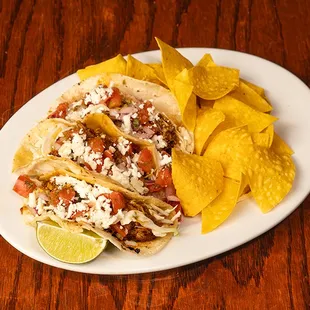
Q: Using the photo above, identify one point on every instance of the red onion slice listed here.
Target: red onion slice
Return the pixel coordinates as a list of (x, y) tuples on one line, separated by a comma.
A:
[(173, 198), (127, 110), (170, 191), (143, 135), (148, 131)]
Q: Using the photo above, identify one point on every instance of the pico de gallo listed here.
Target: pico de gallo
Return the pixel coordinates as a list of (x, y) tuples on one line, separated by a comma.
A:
[(75, 200), (126, 162), (132, 116)]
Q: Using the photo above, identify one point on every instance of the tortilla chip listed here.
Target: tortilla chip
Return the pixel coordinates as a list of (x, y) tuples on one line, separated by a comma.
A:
[(243, 114), (231, 148), (114, 65), (261, 139), (256, 88), (244, 186), (158, 68), (182, 91), (221, 207), (270, 176), (140, 71), (207, 120), (206, 103), (228, 123), (249, 96), (214, 82), (270, 131), (173, 62), (280, 147), (206, 61), (198, 180)]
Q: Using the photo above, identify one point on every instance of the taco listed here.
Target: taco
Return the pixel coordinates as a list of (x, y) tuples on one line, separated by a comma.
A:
[(58, 190), (138, 108), (100, 148)]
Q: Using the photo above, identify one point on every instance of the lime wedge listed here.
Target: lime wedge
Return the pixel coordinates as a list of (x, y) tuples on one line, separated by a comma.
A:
[(68, 247)]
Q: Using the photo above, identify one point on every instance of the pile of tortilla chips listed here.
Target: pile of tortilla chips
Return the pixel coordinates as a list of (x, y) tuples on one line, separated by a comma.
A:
[(237, 152)]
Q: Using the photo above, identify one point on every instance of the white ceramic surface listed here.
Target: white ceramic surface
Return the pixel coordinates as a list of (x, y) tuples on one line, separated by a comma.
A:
[(290, 98)]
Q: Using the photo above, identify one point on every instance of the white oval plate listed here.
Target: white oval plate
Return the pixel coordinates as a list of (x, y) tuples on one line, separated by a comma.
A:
[(290, 98)]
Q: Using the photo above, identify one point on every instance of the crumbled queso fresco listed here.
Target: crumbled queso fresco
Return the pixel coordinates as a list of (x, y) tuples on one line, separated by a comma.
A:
[(128, 175), (91, 206), (94, 102)]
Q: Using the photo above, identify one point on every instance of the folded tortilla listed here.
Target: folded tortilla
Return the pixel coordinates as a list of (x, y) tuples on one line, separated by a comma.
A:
[(131, 89), (149, 213), (40, 140)]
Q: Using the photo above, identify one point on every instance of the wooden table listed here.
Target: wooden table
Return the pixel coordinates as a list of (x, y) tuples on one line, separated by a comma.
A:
[(43, 41)]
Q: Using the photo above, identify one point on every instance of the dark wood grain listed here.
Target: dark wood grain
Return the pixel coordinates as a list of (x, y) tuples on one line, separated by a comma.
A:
[(44, 41)]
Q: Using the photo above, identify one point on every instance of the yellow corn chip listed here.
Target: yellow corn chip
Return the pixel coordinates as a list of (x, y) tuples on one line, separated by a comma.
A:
[(231, 148), (182, 90), (249, 96), (213, 82), (207, 120), (280, 147), (198, 180), (140, 71), (270, 131), (173, 62), (243, 114), (158, 68), (258, 89), (113, 65), (244, 186), (261, 139), (206, 61), (221, 207), (206, 103), (228, 123), (270, 176)]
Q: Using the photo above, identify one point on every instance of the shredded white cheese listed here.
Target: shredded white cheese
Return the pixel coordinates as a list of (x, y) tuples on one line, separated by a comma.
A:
[(159, 141)]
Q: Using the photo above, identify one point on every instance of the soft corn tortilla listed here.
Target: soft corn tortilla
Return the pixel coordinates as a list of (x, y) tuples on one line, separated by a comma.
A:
[(45, 168), (40, 140), (131, 88)]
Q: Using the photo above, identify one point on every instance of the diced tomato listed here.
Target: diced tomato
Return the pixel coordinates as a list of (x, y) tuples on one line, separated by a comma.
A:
[(121, 230), (67, 195), (61, 111), (77, 214), (96, 144), (143, 114), (99, 167), (145, 161), (153, 187), (164, 177), (24, 186), (88, 166), (115, 100), (108, 154), (69, 133), (118, 201)]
